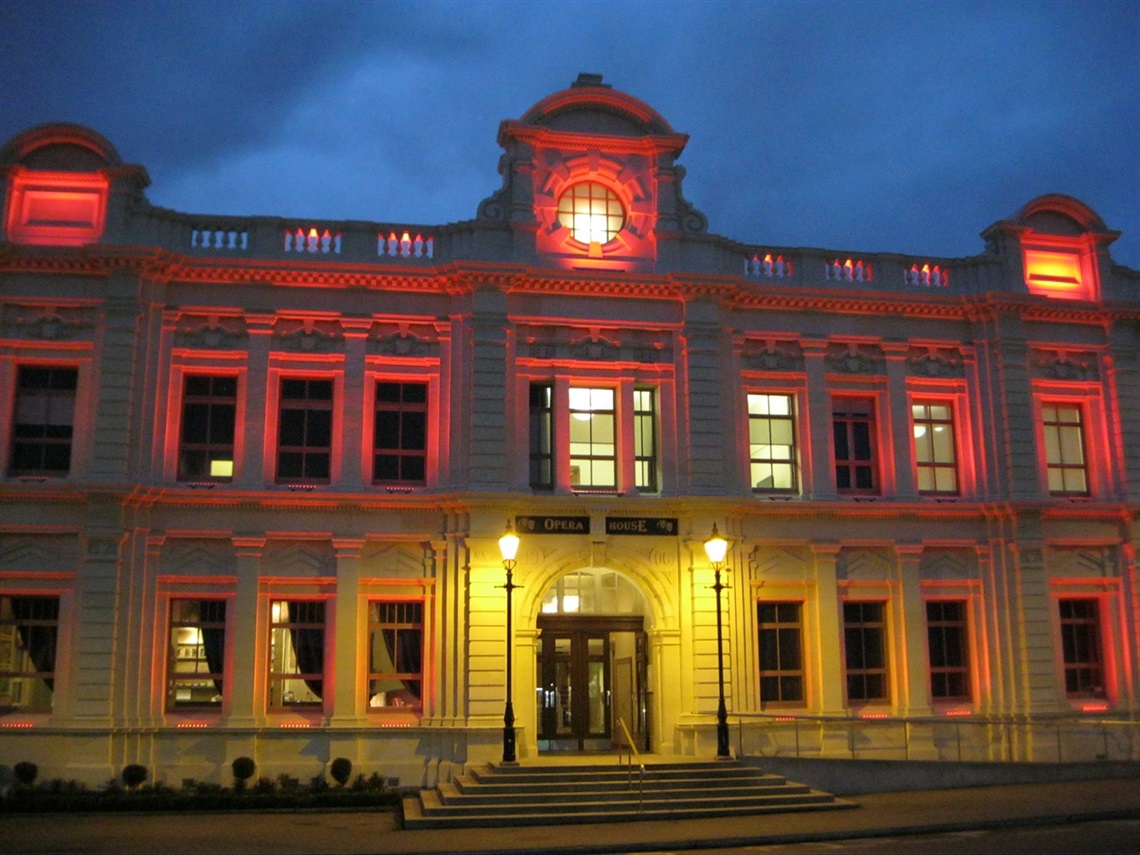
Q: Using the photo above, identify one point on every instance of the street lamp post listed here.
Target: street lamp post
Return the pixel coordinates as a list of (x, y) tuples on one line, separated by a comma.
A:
[(715, 548), (509, 547)]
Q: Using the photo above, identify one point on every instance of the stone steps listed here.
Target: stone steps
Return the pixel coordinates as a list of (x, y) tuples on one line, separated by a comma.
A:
[(498, 795)]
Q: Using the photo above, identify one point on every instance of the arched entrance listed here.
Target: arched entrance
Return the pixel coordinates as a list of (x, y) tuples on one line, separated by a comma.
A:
[(592, 667)]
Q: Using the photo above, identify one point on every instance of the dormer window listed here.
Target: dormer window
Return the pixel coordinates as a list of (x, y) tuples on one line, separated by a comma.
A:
[(592, 212)]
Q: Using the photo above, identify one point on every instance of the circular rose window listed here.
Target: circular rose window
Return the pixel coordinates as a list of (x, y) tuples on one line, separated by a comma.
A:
[(592, 212)]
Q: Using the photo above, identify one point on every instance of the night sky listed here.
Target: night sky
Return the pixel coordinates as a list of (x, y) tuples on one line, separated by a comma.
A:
[(853, 126)]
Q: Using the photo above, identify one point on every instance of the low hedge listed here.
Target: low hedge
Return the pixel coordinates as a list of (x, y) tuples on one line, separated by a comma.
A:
[(61, 797)]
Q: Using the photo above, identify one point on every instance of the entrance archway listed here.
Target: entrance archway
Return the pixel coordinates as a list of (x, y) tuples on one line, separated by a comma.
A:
[(592, 664)]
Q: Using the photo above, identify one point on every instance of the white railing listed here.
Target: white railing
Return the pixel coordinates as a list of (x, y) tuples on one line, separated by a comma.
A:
[(981, 737), (768, 267), (848, 270), (927, 274), (234, 239)]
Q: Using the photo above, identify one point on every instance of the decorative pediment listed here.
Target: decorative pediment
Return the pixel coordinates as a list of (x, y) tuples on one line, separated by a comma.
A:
[(1082, 562), (48, 323), (856, 358), (299, 558), (947, 564), (197, 557), (39, 553), (1063, 365), (862, 565), (308, 335), (778, 563), (395, 561), (403, 340), (771, 355), (934, 362), (595, 344), (210, 332)]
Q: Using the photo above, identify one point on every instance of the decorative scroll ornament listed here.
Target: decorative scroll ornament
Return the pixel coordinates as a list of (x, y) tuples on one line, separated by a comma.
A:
[(769, 355), (934, 362), (1061, 365), (855, 358)]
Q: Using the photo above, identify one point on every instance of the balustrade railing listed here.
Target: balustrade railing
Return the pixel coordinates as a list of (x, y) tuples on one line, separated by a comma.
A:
[(1050, 738)]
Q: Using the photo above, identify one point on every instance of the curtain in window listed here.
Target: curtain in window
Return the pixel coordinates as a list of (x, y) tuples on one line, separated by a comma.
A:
[(309, 642), (405, 648), (39, 641), (214, 637)]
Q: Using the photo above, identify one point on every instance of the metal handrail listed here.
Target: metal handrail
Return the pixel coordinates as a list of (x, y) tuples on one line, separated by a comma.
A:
[(1007, 724), (633, 752)]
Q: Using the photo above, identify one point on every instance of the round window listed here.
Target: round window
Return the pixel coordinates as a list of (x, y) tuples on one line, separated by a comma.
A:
[(592, 212)]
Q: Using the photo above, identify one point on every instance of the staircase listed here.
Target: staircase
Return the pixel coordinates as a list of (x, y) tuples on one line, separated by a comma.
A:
[(497, 795)]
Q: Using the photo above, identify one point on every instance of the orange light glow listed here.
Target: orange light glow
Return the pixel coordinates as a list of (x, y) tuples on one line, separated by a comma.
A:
[(192, 725), (1054, 274), (56, 208), (959, 713), (23, 725), (1094, 708), (873, 715)]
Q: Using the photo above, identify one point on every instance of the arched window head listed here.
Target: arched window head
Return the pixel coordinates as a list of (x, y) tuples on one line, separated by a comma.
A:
[(592, 212)]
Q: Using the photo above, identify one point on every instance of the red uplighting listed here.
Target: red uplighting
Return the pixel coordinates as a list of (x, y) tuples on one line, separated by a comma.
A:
[(56, 208)]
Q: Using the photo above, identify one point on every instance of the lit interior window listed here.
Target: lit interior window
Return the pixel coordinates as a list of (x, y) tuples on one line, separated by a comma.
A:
[(1054, 274), (592, 212)]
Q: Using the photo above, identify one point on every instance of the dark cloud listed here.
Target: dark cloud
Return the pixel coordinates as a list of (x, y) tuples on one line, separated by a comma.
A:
[(873, 126)]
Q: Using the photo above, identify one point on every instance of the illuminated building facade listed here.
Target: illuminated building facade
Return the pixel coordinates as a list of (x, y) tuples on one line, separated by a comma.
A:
[(254, 473)]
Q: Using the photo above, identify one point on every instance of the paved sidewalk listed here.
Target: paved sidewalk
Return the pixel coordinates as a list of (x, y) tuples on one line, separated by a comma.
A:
[(333, 833)]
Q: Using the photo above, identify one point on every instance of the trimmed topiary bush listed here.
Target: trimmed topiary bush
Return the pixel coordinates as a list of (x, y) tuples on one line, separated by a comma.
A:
[(341, 770), (26, 772), (243, 769), (133, 775)]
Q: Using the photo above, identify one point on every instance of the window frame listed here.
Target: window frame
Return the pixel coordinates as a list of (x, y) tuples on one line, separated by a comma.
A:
[(567, 211), (1098, 666), (376, 623), (934, 466), (780, 673), (863, 628), (19, 643), (329, 451), (401, 408), (1061, 466), (173, 655), (965, 669), (43, 442), (210, 400), (792, 461), (851, 464), (281, 677)]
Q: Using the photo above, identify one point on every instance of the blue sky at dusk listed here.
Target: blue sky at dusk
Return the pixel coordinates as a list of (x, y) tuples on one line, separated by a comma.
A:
[(854, 126)]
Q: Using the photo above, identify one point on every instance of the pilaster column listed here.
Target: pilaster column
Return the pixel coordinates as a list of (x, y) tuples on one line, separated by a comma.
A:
[(355, 470), (828, 678), (910, 618), (899, 420), (247, 653), (822, 485), (350, 693), (255, 468)]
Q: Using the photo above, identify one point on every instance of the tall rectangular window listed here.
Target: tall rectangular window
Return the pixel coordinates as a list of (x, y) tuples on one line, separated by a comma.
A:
[(644, 441), (541, 436), (935, 461), (29, 627), (296, 653), (44, 418), (947, 643), (593, 439), (196, 656), (1064, 450), (395, 654), (865, 648), (304, 432), (781, 653), (772, 442), (400, 441), (209, 413), (1081, 648), (853, 429)]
